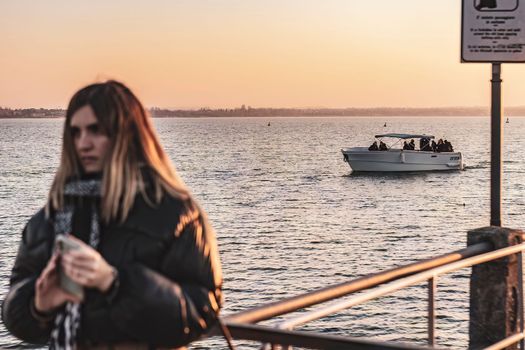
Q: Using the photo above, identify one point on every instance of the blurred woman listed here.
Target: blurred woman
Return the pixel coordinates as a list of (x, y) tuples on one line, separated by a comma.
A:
[(145, 259)]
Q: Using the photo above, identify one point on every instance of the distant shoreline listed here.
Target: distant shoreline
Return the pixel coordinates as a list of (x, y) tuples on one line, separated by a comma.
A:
[(34, 113)]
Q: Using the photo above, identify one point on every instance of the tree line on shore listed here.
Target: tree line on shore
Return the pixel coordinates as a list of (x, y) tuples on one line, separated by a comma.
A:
[(281, 112)]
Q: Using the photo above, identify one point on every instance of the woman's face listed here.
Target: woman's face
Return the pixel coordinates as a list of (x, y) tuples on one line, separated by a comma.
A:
[(91, 143)]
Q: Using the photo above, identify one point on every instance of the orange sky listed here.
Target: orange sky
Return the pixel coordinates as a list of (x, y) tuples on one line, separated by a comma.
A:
[(191, 54)]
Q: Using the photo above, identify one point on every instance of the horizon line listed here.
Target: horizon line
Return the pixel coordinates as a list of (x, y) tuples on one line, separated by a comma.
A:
[(289, 108)]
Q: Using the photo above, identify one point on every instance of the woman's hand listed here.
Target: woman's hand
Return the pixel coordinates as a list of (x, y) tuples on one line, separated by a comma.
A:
[(48, 294), (87, 267)]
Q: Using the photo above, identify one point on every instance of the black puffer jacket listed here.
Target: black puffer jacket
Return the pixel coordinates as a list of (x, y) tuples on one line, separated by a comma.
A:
[(169, 272)]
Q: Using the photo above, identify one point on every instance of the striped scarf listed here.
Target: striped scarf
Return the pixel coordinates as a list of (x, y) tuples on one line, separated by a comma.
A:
[(67, 321)]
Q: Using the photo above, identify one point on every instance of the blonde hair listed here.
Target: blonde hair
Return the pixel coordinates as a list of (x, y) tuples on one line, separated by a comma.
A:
[(134, 145)]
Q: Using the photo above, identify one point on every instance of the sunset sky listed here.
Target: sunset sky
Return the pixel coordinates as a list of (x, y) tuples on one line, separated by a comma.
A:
[(271, 53)]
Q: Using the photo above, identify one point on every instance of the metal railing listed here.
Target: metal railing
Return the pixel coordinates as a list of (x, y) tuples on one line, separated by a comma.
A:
[(242, 325)]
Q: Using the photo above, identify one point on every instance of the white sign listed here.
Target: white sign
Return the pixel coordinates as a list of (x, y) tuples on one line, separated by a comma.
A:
[(493, 31)]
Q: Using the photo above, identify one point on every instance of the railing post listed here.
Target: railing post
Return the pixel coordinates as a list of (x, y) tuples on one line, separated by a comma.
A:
[(520, 296), (494, 293), (432, 286)]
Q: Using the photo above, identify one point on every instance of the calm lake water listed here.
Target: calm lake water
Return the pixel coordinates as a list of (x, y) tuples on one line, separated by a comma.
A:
[(290, 217)]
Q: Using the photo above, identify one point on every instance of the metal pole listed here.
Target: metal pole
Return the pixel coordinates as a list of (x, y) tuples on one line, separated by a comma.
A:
[(495, 149), (432, 286)]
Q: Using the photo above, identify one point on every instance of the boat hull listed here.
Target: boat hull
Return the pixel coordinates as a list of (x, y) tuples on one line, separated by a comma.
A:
[(394, 160)]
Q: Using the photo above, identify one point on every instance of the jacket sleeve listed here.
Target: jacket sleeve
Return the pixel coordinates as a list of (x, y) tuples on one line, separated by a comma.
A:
[(177, 304), (16, 308)]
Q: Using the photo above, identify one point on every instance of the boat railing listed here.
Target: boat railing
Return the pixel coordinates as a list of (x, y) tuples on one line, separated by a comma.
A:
[(486, 254)]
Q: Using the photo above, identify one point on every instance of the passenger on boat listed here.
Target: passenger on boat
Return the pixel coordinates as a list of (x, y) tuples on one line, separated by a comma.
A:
[(373, 147), (440, 146), (434, 146), (425, 145), (448, 146), (412, 144), (382, 146), (422, 142), (406, 146)]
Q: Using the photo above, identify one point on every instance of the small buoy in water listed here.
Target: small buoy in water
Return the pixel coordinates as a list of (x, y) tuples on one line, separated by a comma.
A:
[(268, 123), (507, 120), (463, 204), (384, 126)]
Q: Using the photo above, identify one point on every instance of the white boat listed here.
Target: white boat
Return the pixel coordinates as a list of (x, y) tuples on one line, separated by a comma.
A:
[(397, 159)]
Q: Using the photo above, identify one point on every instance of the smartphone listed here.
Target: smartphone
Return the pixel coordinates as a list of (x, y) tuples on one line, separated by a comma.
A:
[(64, 244)]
